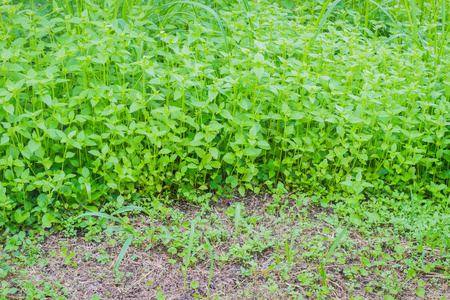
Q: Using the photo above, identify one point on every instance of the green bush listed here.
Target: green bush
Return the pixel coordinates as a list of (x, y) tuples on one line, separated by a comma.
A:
[(91, 107)]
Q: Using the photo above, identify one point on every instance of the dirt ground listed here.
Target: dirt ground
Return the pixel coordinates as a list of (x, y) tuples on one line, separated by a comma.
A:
[(152, 274)]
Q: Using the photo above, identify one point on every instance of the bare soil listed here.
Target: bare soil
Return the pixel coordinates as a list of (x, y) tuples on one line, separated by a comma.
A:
[(147, 273)]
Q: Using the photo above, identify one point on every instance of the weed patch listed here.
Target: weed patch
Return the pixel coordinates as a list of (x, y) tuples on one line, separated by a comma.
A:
[(102, 102)]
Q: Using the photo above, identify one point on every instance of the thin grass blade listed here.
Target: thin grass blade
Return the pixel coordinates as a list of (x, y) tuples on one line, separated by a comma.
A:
[(336, 243), (237, 216), (211, 266), (288, 253), (208, 9), (414, 23), (246, 5), (129, 208), (117, 229), (396, 23), (101, 215), (191, 242), (319, 24), (123, 251)]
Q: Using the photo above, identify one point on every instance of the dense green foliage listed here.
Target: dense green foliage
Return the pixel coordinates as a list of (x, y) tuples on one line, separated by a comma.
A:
[(353, 98)]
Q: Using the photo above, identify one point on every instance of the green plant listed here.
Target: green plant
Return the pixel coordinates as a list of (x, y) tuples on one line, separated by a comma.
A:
[(160, 296), (290, 250), (102, 257), (237, 217), (187, 259), (117, 99), (68, 256), (194, 284), (125, 227), (211, 257), (327, 8), (321, 268)]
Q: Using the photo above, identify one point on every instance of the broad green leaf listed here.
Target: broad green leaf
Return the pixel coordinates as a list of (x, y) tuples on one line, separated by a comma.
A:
[(9, 108), (134, 107), (33, 145), (47, 220)]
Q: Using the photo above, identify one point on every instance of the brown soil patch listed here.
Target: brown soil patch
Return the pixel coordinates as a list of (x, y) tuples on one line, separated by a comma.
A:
[(144, 274)]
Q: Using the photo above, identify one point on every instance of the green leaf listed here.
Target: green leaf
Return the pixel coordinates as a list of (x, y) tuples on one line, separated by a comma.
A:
[(47, 100), (20, 218), (420, 292), (226, 114), (263, 145), (34, 145), (14, 67), (229, 158), (259, 72), (101, 215), (212, 95), (135, 107), (123, 251), (5, 139), (47, 220), (194, 284), (336, 243), (120, 200), (9, 108), (348, 183), (9, 175), (19, 163), (232, 181), (105, 149), (214, 152), (190, 245), (94, 152), (242, 191), (259, 57), (85, 172)]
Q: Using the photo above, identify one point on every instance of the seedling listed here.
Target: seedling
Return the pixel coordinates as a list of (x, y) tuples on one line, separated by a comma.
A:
[(187, 259), (321, 268), (125, 227)]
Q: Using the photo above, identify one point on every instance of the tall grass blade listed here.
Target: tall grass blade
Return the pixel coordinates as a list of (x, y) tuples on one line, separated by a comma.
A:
[(116, 8), (384, 10), (209, 10), (129, 208), (101, 215), (117, 229), (413, 211), (319, 23), (123, 251), (246, 5), (211, 266), (248, 9), (288, 253), (414, 22), (444, 31), (237, 216), (187, 261), (336, 243), (191, 242)]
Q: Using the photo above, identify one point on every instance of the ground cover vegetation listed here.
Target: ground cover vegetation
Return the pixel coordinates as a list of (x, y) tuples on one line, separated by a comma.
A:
[(284, 246), (312, 96), (333, 104)]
